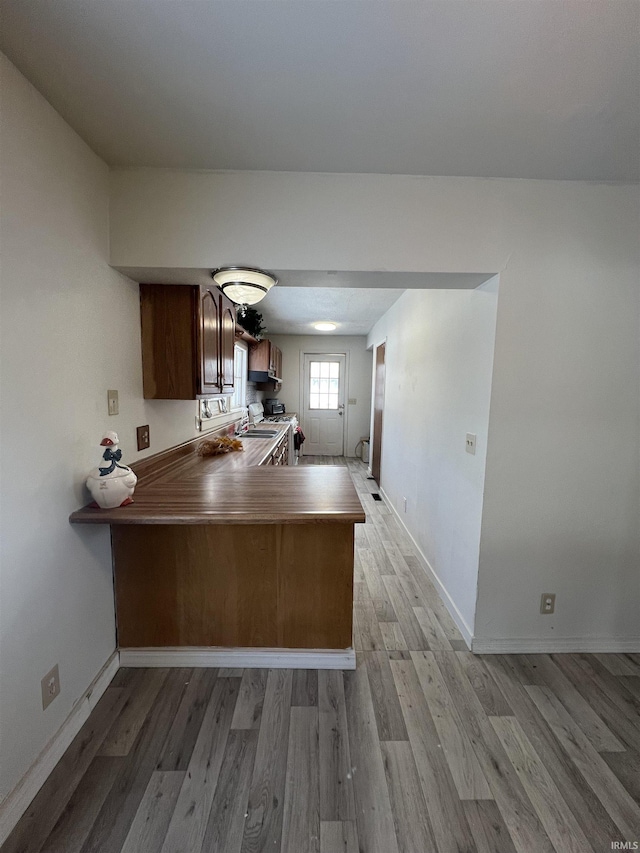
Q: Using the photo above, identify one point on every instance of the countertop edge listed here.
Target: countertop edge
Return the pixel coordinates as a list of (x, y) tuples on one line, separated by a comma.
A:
[(330, 508), (82, 516)]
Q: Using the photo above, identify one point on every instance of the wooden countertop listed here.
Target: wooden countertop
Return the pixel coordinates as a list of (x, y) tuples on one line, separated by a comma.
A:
[(234, 489)]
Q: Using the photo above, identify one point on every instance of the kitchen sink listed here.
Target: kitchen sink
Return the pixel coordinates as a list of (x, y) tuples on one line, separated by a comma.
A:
[(258, 433)]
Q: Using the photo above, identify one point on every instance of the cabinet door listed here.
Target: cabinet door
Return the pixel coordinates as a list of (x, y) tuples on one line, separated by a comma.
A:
[(259, 356), (227, 342), (209, 342), (169, 330), (278, 361)]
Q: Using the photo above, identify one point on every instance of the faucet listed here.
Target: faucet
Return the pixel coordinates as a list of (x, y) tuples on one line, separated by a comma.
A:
[(243, 426)]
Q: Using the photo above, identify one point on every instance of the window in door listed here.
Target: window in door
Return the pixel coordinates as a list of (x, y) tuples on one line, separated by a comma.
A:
[(324, 384)]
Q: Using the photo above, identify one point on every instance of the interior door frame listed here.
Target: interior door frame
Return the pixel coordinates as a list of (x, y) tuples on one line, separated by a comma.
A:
[(345, 416), (376, 437)]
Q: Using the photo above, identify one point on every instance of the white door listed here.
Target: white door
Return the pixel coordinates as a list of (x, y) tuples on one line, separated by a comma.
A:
[(323, 413)]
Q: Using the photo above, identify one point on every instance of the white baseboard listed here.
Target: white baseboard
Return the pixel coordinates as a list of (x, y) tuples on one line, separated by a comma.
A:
[(236, 658), (548, 645), (450, 604), (22, 795)]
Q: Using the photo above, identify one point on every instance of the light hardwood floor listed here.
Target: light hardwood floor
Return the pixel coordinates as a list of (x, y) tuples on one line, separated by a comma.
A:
[(424, 747)]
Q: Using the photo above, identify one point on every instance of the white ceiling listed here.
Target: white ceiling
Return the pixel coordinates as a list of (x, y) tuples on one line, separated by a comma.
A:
[(355, 311), (511, 88), (354, 301)]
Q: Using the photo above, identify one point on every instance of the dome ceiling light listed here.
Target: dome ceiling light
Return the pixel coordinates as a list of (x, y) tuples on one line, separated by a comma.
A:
[(325, 327), (244, 285)]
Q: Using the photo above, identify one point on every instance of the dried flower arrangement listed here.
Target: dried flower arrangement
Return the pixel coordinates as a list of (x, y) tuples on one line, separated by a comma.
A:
[(218, 446)]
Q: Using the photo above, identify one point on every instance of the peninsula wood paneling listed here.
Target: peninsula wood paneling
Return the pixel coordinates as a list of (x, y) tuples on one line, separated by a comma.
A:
[(269, 586)]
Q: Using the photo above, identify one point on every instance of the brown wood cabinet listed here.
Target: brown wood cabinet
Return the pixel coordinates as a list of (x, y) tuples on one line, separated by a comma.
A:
[(188, 335), (265, 362), (280, 455), (227, 342), (207, 380), (278, 362)]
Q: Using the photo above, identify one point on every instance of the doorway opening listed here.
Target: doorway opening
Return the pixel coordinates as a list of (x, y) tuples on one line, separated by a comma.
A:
[(378, 412), (323, 403)]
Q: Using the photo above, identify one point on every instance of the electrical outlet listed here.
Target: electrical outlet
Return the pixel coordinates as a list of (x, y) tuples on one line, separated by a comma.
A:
[(142, 432), (547, 602), (50, 686), (404, 504), (471, 443), (112, 402)]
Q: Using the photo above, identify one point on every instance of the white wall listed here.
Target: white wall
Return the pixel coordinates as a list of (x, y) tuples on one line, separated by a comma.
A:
[(289, 220), (439, 363), (562, 491), (70, 330), (358, 378)]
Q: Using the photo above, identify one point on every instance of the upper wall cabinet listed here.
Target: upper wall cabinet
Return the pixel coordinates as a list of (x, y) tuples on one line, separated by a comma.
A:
[(265, 362), (227, 342), (188, 334), (207, 379)]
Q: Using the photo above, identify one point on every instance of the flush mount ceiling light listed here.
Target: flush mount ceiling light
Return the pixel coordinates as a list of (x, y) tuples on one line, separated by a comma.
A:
[(325, 327), (244, 285)]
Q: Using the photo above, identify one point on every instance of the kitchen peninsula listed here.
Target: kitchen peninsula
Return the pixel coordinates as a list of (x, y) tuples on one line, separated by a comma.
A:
[(231, 561)]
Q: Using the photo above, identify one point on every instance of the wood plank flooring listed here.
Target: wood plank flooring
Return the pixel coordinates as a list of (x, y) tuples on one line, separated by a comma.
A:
[(424, 748)]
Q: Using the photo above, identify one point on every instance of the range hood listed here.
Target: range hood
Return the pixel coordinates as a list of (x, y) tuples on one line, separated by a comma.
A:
[(264, 376)]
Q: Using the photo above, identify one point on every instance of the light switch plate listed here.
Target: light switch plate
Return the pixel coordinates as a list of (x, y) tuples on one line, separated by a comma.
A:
[(142, 433), (112, 402), (471, 443), (50, 686)]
